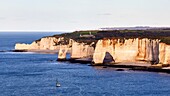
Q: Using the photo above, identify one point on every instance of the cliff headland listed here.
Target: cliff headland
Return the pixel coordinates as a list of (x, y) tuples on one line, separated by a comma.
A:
[(149, 48)]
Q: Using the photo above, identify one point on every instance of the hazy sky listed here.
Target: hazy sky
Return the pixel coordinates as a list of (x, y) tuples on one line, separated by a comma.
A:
[(64, 15)]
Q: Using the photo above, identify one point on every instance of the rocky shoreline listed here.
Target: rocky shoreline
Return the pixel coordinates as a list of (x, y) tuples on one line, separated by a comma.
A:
[(118, 66), (124, 66)]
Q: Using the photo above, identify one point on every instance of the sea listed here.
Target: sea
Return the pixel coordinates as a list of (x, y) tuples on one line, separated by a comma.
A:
[(36, 74)]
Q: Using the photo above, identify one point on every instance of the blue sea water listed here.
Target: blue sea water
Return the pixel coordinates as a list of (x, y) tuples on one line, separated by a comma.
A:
[(33, 74)]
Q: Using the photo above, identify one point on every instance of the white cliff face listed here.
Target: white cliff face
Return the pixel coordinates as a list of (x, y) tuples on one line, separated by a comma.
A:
[(47, 43), (122, 50), (62, 53), (148, 50), (167, 55), (81, 50), (164, 53), (127, 50), (100, 51), (78, 50), (22, 46)]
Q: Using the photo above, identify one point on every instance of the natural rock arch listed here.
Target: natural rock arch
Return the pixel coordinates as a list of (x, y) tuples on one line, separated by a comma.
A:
[(108, 58)]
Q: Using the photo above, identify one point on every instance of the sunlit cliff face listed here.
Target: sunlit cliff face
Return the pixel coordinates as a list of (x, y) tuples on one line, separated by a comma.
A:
[(132, 50), (164, 53), (47, 43), (81, 50), (121, 50)]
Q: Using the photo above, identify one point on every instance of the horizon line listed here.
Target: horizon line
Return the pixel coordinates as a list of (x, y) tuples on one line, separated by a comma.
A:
[(81, 29)]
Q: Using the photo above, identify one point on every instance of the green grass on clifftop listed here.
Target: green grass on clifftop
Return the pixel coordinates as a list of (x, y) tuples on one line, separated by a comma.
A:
[(163, 35)]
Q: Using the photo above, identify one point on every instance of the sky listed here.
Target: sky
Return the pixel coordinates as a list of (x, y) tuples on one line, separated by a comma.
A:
[(71, 15)]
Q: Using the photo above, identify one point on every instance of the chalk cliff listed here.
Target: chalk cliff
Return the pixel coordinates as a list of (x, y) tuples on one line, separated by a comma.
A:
[(46, 43), (81, 50), (127, 50), (60, 44), (62, 53), (105, 50), (164, 53)]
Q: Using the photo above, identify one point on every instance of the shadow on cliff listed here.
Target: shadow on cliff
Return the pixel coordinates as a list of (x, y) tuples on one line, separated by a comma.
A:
[(108, 58)]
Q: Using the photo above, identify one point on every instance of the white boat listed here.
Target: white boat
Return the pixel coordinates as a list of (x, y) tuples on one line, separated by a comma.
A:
[(57, 84)]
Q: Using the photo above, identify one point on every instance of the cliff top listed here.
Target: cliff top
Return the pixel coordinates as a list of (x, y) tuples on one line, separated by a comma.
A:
[(94, 35)]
